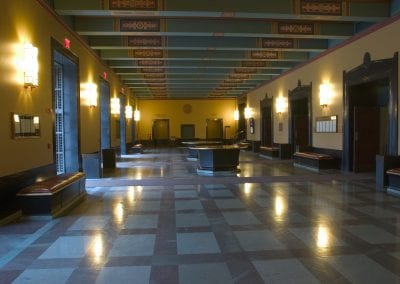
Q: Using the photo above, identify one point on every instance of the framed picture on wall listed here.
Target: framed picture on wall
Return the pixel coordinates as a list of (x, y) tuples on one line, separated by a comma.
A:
[(251, 123)]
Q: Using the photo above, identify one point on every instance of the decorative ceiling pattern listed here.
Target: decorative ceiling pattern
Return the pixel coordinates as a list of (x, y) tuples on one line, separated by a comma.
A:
[(208, 48)]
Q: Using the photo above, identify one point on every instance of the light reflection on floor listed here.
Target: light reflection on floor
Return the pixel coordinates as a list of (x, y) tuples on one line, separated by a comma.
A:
[(156, 221)]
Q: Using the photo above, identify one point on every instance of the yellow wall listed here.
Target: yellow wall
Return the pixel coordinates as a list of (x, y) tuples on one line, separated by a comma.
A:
[(173, 110), (329, 68), (27, 21)]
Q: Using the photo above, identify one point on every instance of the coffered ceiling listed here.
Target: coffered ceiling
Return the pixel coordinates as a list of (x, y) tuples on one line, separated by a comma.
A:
[(212, 48)]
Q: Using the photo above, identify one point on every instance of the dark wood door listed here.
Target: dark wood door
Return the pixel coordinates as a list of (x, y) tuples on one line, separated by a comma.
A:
[(267, 127), (161, 130), (366, 138), (300, 130), (214, 129)]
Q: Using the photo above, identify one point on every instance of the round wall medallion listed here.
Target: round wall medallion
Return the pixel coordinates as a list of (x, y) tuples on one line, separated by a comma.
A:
[(187, 108)]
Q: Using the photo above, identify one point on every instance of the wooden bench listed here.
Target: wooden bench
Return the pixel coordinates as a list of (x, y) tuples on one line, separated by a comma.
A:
[(277, 150), (269, 151), (394, 181), (315, 161), (54, 195), (137, 149)]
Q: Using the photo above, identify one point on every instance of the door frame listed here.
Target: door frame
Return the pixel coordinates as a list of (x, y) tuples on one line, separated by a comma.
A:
[(367, 72), (191, 125), (298, 93), (104, 97), (152, 127), (59, 48), (221, 130), (266, 103)]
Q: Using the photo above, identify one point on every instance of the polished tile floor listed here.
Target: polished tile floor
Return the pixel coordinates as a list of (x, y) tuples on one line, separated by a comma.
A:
[(153, 220)]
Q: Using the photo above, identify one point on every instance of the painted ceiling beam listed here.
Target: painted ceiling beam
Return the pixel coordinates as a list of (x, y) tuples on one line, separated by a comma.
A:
[(218, 15)]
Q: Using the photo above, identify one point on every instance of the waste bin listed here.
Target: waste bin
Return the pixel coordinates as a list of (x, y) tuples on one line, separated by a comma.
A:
[(108, 156), (91, 165)]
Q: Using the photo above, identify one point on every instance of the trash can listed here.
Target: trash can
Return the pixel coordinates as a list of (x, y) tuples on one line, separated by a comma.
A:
[(108, 156), (91, 165)]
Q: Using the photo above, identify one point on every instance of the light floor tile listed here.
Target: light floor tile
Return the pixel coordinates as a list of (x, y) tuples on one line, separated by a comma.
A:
[(258, 240), (147, 206), (186, 194), (361, 269), (188, 205), (183, 186), (197, 243), (192, 220), (127, 274), (220, 193), (68, 247), (90, 223), (141, 222), (240, 218), (48, 276), (317, 237), (133, 245), (229, 204), (210, 273), (284, 271), (150, 195), (372, 234), (378, 212), (214, 186)]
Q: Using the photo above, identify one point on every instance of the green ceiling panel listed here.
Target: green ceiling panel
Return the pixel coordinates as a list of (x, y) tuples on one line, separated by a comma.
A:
[(255, 6)]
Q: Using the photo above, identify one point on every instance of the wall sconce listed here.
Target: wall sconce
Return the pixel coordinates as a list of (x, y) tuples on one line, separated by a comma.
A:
[(136, 115), (325, 94), (128, 112), (281, 105), (30, 66), (247, 113), (115, 106), (89, 94), (236, 115)]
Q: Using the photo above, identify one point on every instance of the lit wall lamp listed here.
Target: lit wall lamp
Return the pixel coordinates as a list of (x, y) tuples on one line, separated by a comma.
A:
[(128, 111), (325, 94), (115, 106), (136, 115), (247, 113), (236, 115), (281, 105), (89, 94), (30, 66)]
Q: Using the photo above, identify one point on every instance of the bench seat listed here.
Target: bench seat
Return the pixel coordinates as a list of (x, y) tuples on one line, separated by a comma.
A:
[(269, 151), (394, 181), (54, 195), (315, 161), (137, 149)]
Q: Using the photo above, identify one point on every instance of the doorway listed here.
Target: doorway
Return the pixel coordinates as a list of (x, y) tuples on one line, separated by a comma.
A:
[(160, 132), (214, 129), (242, 126), (105, 115), (370, 113), (266, 122), (122, 125), (300, 123), (66, 138), (187, 132)]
